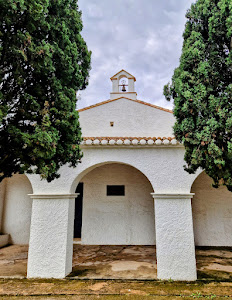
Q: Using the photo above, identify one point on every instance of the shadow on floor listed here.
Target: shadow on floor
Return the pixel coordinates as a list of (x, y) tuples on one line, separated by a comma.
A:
[(214, 263), (114, 262)]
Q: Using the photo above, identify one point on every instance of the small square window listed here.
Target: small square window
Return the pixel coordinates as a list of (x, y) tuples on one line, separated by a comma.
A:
[(115, 190)]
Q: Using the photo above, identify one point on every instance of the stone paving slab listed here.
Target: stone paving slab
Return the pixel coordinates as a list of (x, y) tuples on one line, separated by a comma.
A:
[(114, 262), (13, 261), (214, 263)]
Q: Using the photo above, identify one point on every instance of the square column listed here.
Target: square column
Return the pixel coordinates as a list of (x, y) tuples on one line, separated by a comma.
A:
[(51, 236), (175, 248)]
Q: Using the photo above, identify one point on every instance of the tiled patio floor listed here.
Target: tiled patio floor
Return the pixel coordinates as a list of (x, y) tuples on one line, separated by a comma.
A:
[(120, 262)]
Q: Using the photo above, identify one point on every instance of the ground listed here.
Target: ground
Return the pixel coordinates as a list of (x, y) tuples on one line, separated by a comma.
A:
[(111, 289), (94, 267)]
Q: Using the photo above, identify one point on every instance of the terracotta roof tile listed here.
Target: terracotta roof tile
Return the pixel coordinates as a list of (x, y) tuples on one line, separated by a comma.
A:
[(133, 141)]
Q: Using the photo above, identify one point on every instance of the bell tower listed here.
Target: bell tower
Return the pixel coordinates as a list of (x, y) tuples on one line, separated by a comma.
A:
[(123, 84)]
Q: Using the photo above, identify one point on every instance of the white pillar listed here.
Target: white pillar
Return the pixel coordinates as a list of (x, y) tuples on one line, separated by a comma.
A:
[(115, 88), (131, 86), (175, 248), (51, 236)]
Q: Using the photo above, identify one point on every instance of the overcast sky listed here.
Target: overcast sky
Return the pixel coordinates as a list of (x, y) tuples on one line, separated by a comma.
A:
[(144, 37)]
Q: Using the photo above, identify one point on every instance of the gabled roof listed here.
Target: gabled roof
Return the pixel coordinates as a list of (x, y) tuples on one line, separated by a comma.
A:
[(121, 72), (138, 101)]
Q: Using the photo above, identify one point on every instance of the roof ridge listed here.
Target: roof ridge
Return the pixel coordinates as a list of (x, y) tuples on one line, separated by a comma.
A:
[(123, 71), (155, 106), (138, 101)]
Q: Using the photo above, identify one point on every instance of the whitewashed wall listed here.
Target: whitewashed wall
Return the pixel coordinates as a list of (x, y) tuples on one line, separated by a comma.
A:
[(17, 209), (130, 119), (163, 166), (212, 213), (117, 220)]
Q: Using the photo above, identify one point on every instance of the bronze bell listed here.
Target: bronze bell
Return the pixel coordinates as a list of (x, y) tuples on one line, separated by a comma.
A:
[(123, 88)]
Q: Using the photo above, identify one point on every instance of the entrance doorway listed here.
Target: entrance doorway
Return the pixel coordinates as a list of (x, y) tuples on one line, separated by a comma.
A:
[(78, 211), (118, 208)]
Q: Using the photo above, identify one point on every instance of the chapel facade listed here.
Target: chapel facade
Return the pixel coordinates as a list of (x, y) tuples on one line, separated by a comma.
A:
[(129, 189)]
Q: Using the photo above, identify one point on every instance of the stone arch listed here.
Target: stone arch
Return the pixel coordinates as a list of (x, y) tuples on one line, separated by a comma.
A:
[(123, 79), (16, 208), (127, 219), (212, 213), (123, 76), (91, 167)]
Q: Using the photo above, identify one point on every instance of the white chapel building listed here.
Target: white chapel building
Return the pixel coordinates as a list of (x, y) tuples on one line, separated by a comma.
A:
[(129, 189)]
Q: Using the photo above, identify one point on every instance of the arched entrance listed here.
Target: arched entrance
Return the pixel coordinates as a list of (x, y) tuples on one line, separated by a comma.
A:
[(16, 208), (118, 208), (118, 224), (212, 223), (212, 213), (15, 221)]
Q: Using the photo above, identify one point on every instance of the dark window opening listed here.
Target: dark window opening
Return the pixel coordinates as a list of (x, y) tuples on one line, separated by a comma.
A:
[(115, 190), (78, 211)]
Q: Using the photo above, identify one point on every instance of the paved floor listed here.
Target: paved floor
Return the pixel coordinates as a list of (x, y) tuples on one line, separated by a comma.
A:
[(114, 262), (13, 261), (120, 262)]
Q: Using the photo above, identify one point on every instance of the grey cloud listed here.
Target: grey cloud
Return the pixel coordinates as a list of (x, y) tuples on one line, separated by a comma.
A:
[(142, 37)]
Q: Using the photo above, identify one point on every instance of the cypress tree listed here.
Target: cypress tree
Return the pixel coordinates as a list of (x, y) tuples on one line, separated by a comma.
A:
[(202, 90), (44, 61)]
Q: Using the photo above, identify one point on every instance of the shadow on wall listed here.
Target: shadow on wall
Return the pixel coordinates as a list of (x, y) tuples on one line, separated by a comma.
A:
[(212, 213), (16, 208), (117, 220)]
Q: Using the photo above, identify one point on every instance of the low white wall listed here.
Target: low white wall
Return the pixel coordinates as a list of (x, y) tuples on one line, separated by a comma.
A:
[(117, 220), (17, 209), (212, 213)]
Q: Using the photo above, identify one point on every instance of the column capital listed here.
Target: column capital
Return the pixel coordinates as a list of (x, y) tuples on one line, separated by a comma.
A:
[(172, 196), (52, 196)]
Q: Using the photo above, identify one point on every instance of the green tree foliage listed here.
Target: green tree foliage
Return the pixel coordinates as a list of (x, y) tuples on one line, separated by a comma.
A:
[(202, 90), (44, 61)]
